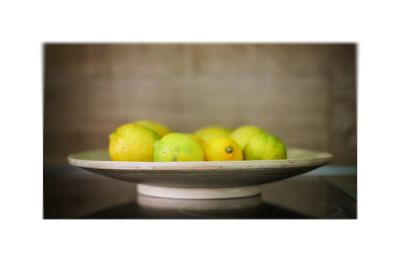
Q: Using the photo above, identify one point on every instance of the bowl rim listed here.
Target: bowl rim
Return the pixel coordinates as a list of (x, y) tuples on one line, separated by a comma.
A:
[(319, 158)]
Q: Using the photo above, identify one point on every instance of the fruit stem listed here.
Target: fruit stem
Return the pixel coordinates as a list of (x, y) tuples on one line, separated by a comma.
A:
[(229, 149)]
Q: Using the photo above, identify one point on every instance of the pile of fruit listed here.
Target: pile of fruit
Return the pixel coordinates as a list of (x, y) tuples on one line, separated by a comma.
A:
[(151, 141)]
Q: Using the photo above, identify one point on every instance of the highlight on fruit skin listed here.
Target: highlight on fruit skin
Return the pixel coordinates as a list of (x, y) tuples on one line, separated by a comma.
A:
[(242, 134), (222, 149), (264, 146), (210, 132), (131, 142), (157, 127), (175, 147)]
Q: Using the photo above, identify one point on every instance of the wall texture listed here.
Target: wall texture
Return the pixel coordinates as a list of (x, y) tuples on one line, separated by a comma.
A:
[(304, 93)]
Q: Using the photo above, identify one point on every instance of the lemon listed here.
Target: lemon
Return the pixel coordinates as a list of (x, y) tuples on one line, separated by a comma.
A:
[(222, 149), (177, 147), (209, 132), (159, 128), (195, 138), (132, 142), (243, 134), (263, 146)]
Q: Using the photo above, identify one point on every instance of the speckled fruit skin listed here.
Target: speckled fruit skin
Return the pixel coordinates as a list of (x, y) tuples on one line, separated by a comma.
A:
[(176, 147), (264, 146)]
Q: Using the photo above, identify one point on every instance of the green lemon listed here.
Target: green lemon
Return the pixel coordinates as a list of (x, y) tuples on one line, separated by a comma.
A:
[(210, 132), (177, 147), (263, 146), (195, 138), (242, 134), (132, 142)]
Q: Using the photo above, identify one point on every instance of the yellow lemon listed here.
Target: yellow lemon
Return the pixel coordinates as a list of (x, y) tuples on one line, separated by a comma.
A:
[(159, 128), (195, 138), (222, 149), (209, 132), (132, 142), (263, 146), (243, 134), (177, 147)]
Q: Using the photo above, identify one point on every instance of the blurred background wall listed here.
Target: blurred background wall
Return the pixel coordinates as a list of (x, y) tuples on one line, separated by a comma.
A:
[(304, 93)]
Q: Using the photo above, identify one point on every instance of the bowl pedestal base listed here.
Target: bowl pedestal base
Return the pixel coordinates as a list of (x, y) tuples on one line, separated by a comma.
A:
[(198, 193)]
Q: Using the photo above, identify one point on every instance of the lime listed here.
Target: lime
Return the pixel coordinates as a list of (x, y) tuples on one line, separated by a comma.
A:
[(177, 147), (195, 138), (263, 146), (243, 134)]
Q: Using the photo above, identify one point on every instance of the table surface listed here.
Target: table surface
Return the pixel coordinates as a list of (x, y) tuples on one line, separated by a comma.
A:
[(329, 192)]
